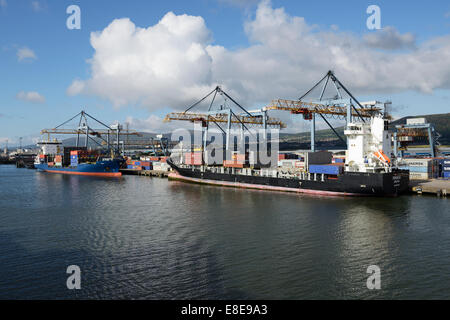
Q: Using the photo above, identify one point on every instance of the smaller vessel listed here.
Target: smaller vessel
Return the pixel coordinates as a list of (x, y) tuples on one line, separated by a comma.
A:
[(75, 160)]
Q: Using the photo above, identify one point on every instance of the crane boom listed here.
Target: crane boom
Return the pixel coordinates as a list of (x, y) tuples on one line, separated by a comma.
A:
[(308, 108), (223, 118)]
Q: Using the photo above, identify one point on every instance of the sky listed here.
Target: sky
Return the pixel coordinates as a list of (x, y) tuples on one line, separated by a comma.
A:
[(134, 61)]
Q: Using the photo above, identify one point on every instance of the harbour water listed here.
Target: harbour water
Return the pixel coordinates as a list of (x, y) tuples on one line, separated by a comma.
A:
[(150, 238)]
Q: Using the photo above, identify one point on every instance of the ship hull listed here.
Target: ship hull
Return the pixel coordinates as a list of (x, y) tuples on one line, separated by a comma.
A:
[(98, 169), (347, 184)]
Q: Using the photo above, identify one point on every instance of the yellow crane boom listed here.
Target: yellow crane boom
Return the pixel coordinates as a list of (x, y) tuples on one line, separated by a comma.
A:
[(223, 118), (308, 108)]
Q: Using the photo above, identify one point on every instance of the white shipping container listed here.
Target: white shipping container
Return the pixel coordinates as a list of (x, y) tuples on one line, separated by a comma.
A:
[(287, 163), (418, 162), (416, 121), (161, 166), (419, 176)]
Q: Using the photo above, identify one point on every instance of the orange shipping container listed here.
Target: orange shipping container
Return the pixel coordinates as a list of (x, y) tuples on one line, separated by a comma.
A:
[(232, 164)]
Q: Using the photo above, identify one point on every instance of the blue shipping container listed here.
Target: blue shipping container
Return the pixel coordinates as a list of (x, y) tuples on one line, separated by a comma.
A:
[(447, 174), (326, 169), (129, 166)]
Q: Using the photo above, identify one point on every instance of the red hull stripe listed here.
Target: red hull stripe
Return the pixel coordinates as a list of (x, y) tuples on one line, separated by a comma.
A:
[(176, 176), (95, 174)]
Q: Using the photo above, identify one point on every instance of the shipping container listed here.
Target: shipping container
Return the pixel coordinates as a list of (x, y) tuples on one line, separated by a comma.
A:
[(417, 169), (232, 164), (326, 169), (417, 162), (418, 176), (414, 121), (194, 158), (321, 157), (446, 174)]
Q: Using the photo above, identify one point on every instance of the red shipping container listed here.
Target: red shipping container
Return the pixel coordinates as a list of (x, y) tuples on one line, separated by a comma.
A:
[(154, 158), (145, 163), (281, 156), (74, 152)]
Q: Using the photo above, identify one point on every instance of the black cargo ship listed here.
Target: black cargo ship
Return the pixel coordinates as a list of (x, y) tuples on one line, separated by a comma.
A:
[(346, 184)]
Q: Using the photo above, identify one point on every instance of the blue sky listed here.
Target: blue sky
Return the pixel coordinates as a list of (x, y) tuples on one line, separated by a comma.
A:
[(40, 58)]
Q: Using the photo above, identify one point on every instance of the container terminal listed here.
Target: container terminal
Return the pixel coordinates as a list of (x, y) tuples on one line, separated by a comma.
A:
[(377, 160)]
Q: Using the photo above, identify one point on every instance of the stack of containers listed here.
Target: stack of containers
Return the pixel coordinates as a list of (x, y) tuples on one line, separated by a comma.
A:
[(287, 156), (194, 158), (58, 160), (446, 168), (161, 166), (146, 165), (74, 158), (237, 161), (419, 169)]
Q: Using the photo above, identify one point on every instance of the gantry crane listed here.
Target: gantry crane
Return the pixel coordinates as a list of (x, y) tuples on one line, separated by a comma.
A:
[(347, 108), (413, 132), (84, 129), (225, 115)]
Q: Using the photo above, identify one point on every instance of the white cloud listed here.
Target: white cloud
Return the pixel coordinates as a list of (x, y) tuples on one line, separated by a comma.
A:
[(390, 39), (161, 65), (30, 96), (25, 54), (3, 4), (173, 63), (155, 124)]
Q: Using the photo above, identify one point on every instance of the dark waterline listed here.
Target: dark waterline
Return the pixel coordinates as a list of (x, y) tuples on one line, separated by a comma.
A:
[(149, 238)]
